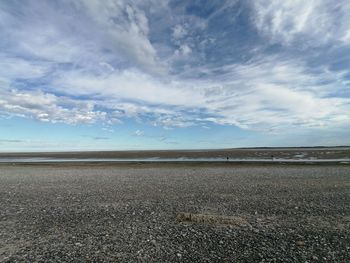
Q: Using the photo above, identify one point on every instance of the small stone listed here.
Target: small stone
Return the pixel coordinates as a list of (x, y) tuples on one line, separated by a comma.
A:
[(179, 255), (300, 243), (314, 257)]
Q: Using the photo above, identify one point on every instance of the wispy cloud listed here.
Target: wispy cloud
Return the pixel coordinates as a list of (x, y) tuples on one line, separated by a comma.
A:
[(138, 133), (311, 23), (177, 64)]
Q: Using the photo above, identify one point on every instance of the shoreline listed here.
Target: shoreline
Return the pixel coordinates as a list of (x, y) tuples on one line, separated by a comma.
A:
[(251, 156), (312, 152), (172, 164)]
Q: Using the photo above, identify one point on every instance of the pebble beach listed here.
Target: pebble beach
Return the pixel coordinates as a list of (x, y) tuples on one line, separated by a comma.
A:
[(128, 213)]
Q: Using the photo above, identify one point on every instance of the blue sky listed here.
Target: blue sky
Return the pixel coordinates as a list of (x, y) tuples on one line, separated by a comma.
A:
[(146, 74)]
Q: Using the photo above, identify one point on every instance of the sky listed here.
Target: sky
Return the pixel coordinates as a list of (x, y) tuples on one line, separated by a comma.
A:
[(147, 74)]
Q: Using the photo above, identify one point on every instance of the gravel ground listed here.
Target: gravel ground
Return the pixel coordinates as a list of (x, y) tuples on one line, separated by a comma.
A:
[(127, 213)]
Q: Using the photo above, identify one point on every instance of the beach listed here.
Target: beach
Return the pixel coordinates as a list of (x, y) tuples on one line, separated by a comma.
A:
[(129, 213), (338, 152)]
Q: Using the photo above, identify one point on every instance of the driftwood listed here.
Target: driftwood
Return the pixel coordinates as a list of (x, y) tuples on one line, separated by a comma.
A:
[(211, 219)]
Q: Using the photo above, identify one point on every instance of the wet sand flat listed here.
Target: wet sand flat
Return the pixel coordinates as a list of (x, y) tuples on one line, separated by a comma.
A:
[(128, 213), (262, 153)]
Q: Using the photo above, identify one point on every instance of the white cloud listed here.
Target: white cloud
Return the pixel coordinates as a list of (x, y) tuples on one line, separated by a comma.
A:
[(270, 92), (107, 56), (184, 50), (13, 67), (175, 120), (128, 85), (129, 34), (259, 95), (179, 32), (138, 133), (81, 33), (48, 107), (311, 23)]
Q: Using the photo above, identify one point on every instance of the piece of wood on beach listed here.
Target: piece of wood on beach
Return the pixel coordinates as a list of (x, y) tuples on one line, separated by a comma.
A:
[(211, 219)]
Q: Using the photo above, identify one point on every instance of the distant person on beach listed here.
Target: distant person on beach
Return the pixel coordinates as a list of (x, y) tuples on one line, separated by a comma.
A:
[(227, 158)]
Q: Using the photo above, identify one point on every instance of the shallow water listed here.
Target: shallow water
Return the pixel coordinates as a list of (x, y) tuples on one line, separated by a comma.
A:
[(167, 160)]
